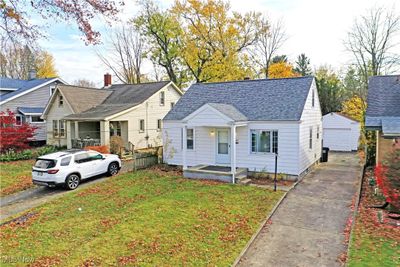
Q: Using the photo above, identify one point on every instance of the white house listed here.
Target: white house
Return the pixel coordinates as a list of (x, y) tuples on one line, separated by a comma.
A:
[(222, 130), (77, 116), (340, 132)]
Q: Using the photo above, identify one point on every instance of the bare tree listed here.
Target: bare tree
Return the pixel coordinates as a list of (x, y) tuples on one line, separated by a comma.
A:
[(84, 83), (125, 55), (270, 38), (16, 60), (372, 40)]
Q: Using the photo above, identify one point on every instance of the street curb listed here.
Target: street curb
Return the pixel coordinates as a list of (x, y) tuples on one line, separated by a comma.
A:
[(263, 223), (355, 212)]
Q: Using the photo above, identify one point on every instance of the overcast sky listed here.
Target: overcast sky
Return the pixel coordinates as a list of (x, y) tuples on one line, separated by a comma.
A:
[(314, 27)]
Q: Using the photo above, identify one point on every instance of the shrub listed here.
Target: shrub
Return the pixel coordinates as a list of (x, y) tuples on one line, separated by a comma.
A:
[(11, 155), (13, 137), (100, 149), (116, 143), (388, 178)]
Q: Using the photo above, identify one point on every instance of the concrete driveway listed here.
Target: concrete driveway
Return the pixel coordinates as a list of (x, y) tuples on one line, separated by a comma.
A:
[(30, 198), (307, 228)]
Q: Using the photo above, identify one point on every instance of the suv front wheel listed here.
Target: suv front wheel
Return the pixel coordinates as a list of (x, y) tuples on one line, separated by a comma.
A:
[(113, 169), (72, 181)]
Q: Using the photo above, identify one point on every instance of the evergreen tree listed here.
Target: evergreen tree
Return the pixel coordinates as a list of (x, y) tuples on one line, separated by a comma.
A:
[(302, 65)]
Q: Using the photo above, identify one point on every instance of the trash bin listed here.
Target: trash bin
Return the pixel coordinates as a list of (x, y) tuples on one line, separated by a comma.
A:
[(324, 157)]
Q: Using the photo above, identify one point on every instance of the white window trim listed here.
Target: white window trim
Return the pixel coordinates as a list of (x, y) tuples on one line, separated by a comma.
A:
[(162, 93), (53, 87), (35, 122), (144, 126), (159, 128), (194, 140), (59, 129), (271, 141), (20, 116), (58, 132)]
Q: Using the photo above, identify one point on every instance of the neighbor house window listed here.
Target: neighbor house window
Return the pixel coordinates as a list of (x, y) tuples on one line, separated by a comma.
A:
[(36, 119), (55, 128), (52, 89), (313, 98), (311, 141), (62, 128), (317, 132), (115, 128), (263, 141), (141, 125), (158, 125), (18, 120), (162, 98), (60, 100), (190, 139), (172, 104)]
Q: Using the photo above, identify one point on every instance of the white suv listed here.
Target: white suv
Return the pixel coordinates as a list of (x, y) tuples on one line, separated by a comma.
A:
[(71, 166)]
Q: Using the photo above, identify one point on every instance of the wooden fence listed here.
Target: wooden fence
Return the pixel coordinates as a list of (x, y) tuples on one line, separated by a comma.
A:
[(145, 158)]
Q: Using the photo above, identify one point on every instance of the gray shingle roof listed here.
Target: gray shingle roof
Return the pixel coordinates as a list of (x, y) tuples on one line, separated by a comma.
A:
[(229, 111), (30, 110), (383, 111), (121, 97), (82, 98), (21, 85), (264, 99)]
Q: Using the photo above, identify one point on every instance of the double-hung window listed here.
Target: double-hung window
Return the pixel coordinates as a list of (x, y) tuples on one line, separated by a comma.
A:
[(311, 138), (158, 125), (62, 128), (141, 126), (190, 139), (55, 128), (162, 98), (313, 98), (264, 141), (18, 120), (60, 100)]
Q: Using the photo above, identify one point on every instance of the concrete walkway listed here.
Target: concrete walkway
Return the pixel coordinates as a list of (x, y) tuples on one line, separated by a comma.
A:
[(307, 228)]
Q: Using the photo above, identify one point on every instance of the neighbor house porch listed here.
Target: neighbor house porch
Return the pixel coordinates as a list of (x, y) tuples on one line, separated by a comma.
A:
[(81, 134)]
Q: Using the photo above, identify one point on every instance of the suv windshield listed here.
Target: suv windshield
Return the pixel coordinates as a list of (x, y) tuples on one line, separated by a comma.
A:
[(45, 163)]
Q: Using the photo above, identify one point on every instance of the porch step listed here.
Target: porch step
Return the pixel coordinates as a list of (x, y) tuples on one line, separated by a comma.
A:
[(244, 181)]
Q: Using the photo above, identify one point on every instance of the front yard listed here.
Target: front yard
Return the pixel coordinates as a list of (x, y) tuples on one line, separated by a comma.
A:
[(146, 218), (375, 238), (15, 176)]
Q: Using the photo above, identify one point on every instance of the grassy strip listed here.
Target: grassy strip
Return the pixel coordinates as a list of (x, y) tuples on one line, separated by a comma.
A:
[(146, 218), (15, 176)]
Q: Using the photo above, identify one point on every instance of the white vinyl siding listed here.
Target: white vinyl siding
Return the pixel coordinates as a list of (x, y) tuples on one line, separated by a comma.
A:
[(205, 146), (311, 118), (150, 111)]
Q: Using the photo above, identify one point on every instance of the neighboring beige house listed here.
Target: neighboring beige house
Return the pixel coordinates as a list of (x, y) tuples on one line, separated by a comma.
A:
[(383, 113), (78, 116)]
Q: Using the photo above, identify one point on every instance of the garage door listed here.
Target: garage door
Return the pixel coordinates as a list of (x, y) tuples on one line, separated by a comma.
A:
[(338, 139)]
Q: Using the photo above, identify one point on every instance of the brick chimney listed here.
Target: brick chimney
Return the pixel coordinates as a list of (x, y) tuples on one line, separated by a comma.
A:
[(107, 79)]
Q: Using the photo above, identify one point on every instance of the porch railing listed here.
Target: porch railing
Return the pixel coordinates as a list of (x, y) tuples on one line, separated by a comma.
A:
[(82, 143)]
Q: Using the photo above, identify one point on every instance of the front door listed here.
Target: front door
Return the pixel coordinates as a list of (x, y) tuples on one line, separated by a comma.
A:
[(223, 146)]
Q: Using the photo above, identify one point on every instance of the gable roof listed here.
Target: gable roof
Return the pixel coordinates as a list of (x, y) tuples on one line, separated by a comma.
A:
[(30, 110), (121, 97), (230, 111), (383, 111), (342, 115), (82, 98), (255, 100), (22, 86)]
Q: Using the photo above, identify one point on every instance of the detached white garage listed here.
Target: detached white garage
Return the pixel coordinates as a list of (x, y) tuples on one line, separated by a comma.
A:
[(340, 133)]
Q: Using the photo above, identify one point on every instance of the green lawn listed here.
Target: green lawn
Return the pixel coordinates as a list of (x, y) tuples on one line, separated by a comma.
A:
[(15, 176), (148, 218), (370, 250)]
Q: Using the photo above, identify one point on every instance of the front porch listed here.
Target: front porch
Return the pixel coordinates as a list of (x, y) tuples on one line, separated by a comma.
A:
[(213, 172), (81, 134)]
